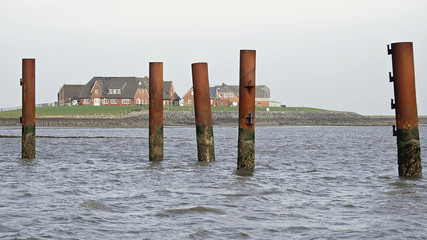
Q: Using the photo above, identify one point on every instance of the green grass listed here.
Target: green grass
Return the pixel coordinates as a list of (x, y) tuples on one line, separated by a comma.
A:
[(11, 114), (222, 108), (64, 111)]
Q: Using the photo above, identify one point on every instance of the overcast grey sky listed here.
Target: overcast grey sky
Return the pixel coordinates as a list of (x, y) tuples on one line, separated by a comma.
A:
[(329, 54)]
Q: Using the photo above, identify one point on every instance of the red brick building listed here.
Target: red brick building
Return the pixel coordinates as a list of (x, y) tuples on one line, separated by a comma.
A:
[(123, 91), (188, 98), (228, 95)]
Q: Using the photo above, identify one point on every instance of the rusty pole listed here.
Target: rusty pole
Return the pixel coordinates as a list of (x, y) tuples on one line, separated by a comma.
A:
[(28, 118), (246, 142), (202, 108), (408, 140), (156, 111)]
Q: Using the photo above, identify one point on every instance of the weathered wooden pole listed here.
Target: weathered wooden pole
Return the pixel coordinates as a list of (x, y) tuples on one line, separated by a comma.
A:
[(202, 108), (246, 141), (408, 140), (156, 111), (28, 118)]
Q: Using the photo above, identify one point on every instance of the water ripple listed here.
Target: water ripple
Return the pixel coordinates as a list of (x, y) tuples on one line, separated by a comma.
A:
[(197, 209), (309, 183)]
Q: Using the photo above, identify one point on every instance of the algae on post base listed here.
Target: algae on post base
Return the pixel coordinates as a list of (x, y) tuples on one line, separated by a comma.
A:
[(246, 149), (29, 141), (409, 152), (156, 144), (205, 143)]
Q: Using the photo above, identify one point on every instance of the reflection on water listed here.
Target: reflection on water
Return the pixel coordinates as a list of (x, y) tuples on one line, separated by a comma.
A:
[(309, 182)]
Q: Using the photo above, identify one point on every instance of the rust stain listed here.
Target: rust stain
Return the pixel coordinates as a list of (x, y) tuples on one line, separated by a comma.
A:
[(404, 85), (246, 140), (203, 112), (156, 111), (28, 108), (247, 89)]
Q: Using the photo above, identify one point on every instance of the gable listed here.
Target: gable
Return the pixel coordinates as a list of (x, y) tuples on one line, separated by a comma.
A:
[(94, 85), (188, 93)]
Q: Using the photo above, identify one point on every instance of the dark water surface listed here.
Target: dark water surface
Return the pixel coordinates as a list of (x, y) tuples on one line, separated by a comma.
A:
[(309, 183)]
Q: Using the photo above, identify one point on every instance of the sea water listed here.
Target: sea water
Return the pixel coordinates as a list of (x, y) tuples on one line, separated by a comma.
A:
[(309, 183)]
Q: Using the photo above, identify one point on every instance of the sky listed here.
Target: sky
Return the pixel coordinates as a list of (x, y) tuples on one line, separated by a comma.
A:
[(329, 54)]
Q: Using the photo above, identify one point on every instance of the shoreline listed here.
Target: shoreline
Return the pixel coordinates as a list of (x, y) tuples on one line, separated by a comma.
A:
[(219, 118)]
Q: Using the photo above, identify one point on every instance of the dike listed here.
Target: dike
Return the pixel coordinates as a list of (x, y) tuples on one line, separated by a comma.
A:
[(139, 119)]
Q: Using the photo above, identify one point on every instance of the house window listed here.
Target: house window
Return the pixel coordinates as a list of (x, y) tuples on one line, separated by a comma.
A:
[(189, 101), (119, 91), (226, 95), (96, 91), (192, 93), (87, 101), (104, 101), (231, 95), (125, 101), (113, 101), (220, 95)]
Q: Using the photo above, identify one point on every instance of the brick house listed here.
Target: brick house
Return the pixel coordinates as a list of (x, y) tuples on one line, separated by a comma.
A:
[(228, 95), (188, 98), (170, 97), (123, 91), (68, 94)]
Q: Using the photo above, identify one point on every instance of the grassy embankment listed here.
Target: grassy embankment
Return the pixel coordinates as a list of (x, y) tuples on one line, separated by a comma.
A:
[(69, 111)]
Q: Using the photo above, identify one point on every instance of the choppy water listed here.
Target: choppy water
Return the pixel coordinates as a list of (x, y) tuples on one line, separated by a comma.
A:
[(309, 183)]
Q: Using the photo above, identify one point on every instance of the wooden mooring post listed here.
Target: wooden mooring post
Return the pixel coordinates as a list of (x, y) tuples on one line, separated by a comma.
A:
[(156, 111), (405, 105), (203, 113), (246, 141), (28, 118)]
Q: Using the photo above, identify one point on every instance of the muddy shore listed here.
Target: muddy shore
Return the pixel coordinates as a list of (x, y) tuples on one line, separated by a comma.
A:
[(220, 118)]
